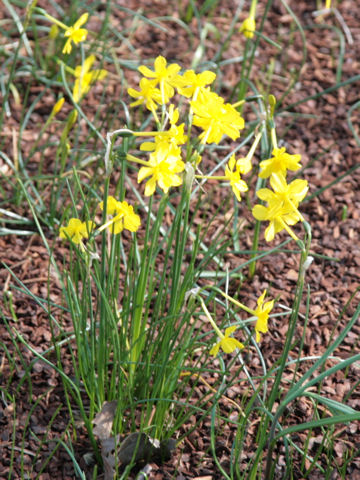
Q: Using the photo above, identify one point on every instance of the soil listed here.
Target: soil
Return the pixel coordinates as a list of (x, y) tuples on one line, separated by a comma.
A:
[(320, 133)]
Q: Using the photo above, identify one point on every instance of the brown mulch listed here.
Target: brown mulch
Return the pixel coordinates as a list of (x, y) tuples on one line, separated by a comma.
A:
[(328, 148)]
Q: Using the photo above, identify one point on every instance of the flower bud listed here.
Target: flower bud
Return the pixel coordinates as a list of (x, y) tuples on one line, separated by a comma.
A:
[(248, 27), (58, 106)]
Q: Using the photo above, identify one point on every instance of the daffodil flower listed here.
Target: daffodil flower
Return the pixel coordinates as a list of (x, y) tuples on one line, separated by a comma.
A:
[(85, 78), (243, 165), (248, 27), (174, 136), (164, 75), (233, 171), (215, 117), (226, 343), (190, 83), (148, 95), (287, 195), (282, 208), (123, 216), (76, 230), (262, 313), (73, 33), (279, 163), (233, 176), (163, 167)]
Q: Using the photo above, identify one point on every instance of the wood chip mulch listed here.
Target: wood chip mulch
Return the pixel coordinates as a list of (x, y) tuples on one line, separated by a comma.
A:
[(321, 134)]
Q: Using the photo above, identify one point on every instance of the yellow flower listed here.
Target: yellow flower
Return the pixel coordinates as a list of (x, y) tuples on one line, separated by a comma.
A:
[(289, 195), (123, 216), (58, 106), (163, 166), (327, 4), (215, 117), (244, 165), (226, 343), (75, 33), (282, 205), (262, 313), (234, 178), (174, 136), (165, 76), (248, 27), (76, 230), (190, 83), (148, 94), (85, 78), (279, 163)]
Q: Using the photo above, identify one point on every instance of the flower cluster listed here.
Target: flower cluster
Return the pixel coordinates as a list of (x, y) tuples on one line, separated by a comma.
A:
[(122, 217), (207, 111), (211, 113), (216, 119), (174, 145), (283, 200)]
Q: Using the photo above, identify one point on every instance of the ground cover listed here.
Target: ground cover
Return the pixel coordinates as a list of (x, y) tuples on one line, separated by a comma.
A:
[(314, 77)]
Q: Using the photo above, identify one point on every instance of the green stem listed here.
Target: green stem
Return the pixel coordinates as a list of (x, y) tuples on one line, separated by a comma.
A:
[(52, 19), (134, 159), (211, 320), (253, 8), (211, 177), (235, 302), (288, 342), (273, 135)]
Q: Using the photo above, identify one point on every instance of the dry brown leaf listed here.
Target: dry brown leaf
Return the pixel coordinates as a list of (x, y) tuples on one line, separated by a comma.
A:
[(104, 420)]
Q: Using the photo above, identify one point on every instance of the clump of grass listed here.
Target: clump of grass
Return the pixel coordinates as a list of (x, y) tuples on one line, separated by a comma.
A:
[(148, 295)]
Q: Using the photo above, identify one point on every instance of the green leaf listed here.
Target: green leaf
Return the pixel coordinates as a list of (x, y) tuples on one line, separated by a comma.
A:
[(335, 407), (336, 419)]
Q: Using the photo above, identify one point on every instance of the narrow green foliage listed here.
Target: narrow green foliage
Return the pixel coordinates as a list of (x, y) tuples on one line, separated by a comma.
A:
[(141, 215)]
